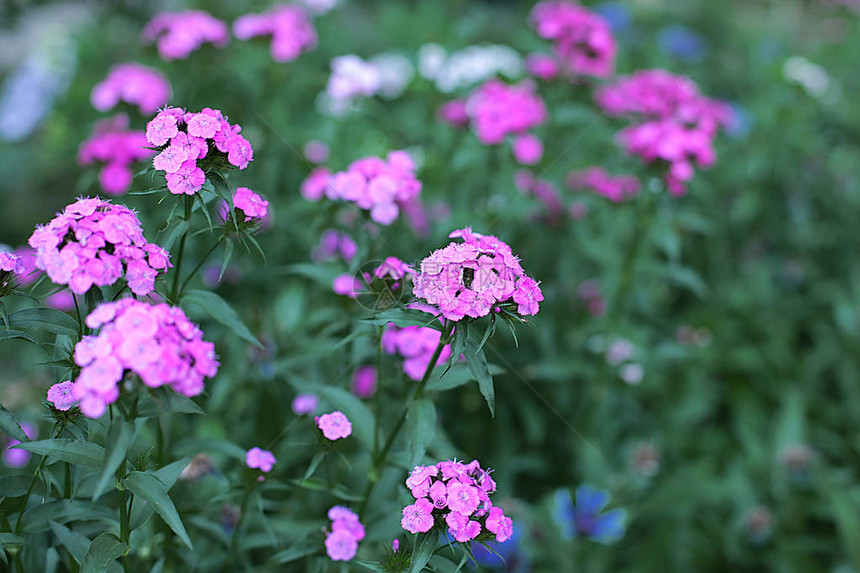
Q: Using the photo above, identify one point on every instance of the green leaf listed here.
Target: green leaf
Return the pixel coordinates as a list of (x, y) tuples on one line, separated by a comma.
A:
[(104, 550), (177, 231), (163, 400), (41, 318), (420, 428), (457, 376), (228, 254), (85, 454), (39, 517), (10, 426), (301, 548), (217, 308), (425, 545), (476, 360), (170, 473), (119, 438), (404, 317), (315, 462), (153, 490), (11, 539), (11, 334), (15, 485), (359, 414), (76, 543), (845, 511)]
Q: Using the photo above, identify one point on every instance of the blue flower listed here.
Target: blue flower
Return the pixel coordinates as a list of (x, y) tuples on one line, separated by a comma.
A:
[(586, 518), (507, 556), (616, 14), (682, 43)]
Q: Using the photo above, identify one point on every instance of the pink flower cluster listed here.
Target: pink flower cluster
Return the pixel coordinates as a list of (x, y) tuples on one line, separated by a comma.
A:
[(156, 342), (475, 276), (616, 189), (116, 147), (380, 186), (341, 543), (582, 40), (416, 345), (459, 495), (334, 425), (180, 33), (332, 244), (186, 137), (496, 110), (257, 458), (61, 300), (290, 27), (134, 84), (91, 241), (673, 122)]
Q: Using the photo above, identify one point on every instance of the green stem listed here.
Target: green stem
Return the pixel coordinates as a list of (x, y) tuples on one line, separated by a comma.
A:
[(27, 495), (80, 319), (234, 542), (125, 501), (189, 204), (381, 459), (199, 265)]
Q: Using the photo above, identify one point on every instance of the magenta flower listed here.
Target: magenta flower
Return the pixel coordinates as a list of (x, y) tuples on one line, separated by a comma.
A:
[(473, 277), (382, 187), (134, 84), (61, 397), (156, 342), (116, 148), (316, 151), (542, 66), (364, 381), (346, 284), (188, 137), (304, 404), (332, 244), (346, 531), (334, 425), (12, 269), (290, 27), (596, 179), (527, 149), (582, 40), (457, 494), (91, 242), (496, 110), (418, 517), (263, 460), (180, 33), (252, 205), (15, 457)]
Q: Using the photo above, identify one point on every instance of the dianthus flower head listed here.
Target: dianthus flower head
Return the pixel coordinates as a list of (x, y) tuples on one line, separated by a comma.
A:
[(12, 267), (156, 342), (457, 495), (113, 146), (334, 425), (60, 395), (346, 531), (304, 404), (180, 33), (190, 142), (381, 186), (92, 242), (263, 460), (134, 84), (582, 40), (290, 27), (496, 110), (596, 179), (475, 276)]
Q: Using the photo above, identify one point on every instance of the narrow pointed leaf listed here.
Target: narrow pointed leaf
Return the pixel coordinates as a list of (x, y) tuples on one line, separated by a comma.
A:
[(420, 428), (41, 318), (10, 426), (84, 454), (217, 308), (120, 436), (153, 490), (104, 550)]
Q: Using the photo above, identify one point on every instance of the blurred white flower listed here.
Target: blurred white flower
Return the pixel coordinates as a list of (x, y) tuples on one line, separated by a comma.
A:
[(318, 7), (469, 66), (431, 57), (395, 72), (632, 373), (811, 77)]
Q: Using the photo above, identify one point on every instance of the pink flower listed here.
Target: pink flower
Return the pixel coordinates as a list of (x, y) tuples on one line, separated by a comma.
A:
[(315, 186), (180, 33), (263, 460), (162, 128), (304, 404), (418, 517), (251, 204), (497, 523), (157, 342), (188, 179), (347, 285), (334, 425), (15, 457), (463, 498), (316, 151), (12, 268), (132, 83), (239, 151), (463, 528), (542, 66), (90, 243), (582, 40), (341, 545), (345, 519), (364, 381), (116, 148), (528, 149), (497, 110), (291, 29)]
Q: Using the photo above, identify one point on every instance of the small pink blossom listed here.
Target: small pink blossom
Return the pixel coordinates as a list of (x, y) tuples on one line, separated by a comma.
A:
[(132, 83), (290, 27), (251, 204), (347, 285), (60, 395), (341, 545), (528, 149), (364, 381), (304, 404), (260, 459), (334, 425), (180, 33), (499, 524), (418, 517)]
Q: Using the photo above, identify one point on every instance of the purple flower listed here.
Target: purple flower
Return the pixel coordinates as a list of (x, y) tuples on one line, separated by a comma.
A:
[(341, 545), (61, 396), (15, 457), (585, 518), (418, 517), (364, 381), (180, 33), (304, 404)]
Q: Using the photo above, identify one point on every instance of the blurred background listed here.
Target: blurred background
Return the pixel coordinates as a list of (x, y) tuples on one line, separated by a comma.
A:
[(717, 396)]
